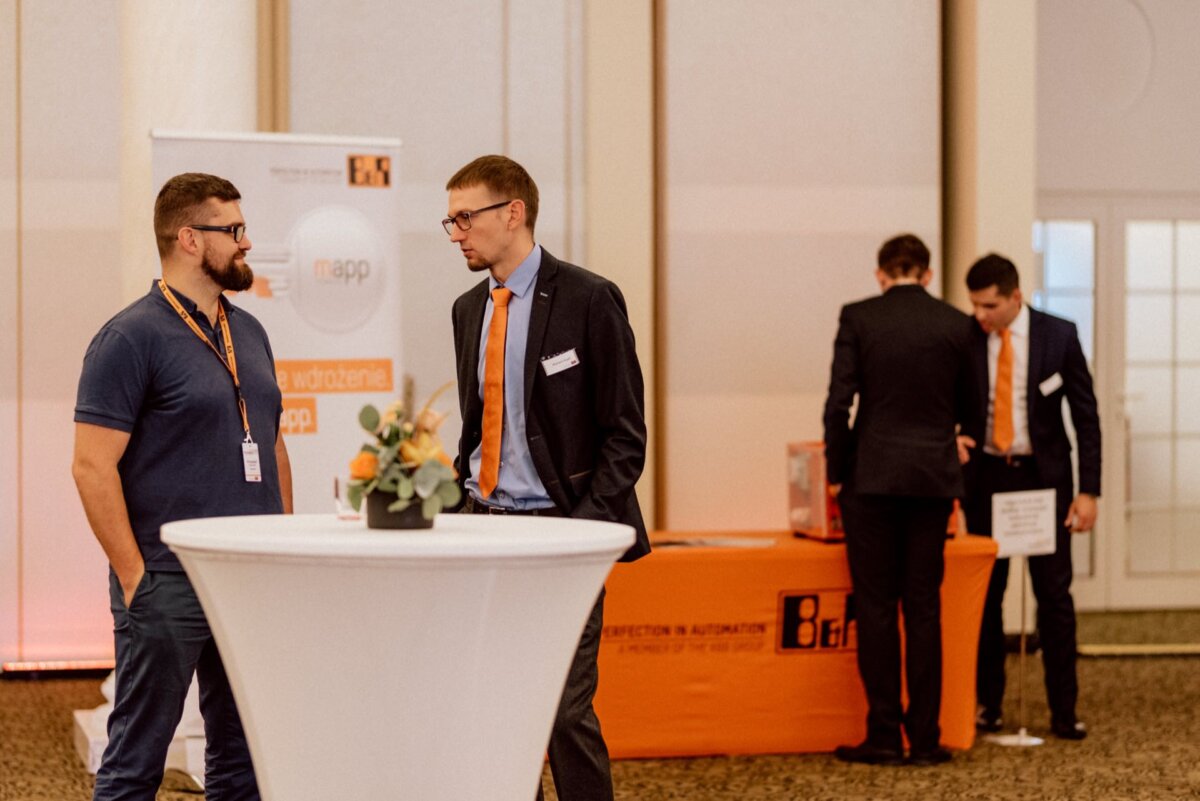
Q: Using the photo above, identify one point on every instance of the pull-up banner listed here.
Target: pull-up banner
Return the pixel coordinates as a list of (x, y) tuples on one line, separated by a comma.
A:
[(322, 215)]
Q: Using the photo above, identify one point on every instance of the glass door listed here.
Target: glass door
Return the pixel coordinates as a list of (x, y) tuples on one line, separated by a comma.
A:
[(1162, 405)]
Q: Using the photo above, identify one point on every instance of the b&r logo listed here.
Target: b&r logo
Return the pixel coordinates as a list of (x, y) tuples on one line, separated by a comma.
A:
[(370, 171), (817, 621)]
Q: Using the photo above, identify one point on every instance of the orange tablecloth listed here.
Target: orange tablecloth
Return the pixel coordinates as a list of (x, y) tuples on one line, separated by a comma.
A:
[(746, 650)]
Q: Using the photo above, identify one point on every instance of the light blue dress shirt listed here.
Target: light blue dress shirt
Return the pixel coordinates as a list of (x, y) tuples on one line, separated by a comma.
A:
[(519, 486)]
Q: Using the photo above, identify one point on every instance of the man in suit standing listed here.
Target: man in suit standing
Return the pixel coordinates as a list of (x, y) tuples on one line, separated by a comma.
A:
[(1025, 364), (551, 396), (904, 354)]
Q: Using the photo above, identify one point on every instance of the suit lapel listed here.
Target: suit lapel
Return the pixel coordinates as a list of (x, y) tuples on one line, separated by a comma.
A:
[(983, 381), (1037, 354), (539, 319), (472, 331)]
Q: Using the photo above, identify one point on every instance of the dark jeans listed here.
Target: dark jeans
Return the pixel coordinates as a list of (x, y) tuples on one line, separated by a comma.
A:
[(578, 754), (1050, 576), (162, 638), (895, 546)]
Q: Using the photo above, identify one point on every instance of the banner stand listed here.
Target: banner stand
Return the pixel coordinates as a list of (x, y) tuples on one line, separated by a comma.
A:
[(1022, 737)]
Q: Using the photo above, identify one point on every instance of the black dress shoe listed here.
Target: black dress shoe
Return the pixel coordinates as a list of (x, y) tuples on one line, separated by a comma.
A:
[(988, 720), (867, 754), (1068, 730), (936, 756)]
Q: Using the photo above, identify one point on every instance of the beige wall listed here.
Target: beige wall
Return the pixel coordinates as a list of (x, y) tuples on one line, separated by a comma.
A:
[(9, 327), (1118, 107), (798, 135), (69, 284)]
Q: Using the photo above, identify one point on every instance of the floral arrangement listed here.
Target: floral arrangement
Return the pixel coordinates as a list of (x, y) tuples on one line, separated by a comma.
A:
[(406, 460)]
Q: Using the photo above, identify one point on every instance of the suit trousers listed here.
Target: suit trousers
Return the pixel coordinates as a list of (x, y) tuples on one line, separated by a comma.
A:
[(161, 639), (578, 753), (1050, 576), (895, 546)]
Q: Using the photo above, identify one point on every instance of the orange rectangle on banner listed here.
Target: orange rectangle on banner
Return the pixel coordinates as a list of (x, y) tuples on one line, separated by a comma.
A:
[(334, 375), (299, 416)]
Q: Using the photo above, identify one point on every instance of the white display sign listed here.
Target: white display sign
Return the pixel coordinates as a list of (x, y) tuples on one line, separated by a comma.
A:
[(1023, 523), (322, 214)]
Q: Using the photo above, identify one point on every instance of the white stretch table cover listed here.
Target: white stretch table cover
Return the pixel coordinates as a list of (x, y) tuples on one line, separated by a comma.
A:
[(397, 664)]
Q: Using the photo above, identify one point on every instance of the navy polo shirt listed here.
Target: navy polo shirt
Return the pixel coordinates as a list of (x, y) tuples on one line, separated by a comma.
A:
[(147, 373)]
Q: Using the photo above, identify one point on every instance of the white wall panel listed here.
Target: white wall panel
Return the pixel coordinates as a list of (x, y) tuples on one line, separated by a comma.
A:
[(799, 135), (9, 569), (452, 82), (70, 123), (1117, 105)]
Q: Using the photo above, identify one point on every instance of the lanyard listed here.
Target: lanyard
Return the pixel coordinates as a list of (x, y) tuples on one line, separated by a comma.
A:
[(229, 359)]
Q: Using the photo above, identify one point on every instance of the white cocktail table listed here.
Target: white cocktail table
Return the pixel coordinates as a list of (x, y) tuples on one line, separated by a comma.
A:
[(418, 665)]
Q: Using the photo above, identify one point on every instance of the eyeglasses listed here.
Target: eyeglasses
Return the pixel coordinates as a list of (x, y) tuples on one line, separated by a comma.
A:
[(236, 231), (463, 218)]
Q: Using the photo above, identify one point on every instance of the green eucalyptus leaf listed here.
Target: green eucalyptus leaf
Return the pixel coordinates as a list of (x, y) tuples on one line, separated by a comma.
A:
[(399, 505), (369, 449), (368, 418), (387, 456), (449, 492), (430, 507), (427, 477), (387, 484), (405, 487), (354, 494)]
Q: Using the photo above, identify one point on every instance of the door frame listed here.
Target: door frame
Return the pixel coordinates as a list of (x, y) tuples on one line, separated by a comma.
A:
[(1111, 584)]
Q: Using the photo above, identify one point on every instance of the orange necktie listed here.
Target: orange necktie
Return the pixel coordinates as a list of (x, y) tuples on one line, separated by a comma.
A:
[(493, 392), (1002, 409)]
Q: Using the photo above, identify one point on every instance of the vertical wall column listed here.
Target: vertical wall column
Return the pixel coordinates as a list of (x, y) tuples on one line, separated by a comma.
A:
[(990, 145), (619, 207), (990, 135), (184, 66)]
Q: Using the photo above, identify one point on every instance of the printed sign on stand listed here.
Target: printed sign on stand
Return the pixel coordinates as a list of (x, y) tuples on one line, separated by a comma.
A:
[(1023, 523)]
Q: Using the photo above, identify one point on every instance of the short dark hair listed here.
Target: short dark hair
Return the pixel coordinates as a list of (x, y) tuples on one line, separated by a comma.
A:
[(503, 176), (994, 270), (904, 255), (179, 202)]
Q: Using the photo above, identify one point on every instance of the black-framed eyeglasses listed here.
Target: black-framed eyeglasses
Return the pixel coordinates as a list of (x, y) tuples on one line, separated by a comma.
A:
[(463, 218), (236, 231)]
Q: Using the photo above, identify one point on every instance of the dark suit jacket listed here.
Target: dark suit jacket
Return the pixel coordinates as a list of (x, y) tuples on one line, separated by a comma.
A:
[(906, 356), (585, 425), (1053, 349)]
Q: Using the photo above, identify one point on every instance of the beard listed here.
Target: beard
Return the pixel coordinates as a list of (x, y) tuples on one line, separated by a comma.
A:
[(233, 278)]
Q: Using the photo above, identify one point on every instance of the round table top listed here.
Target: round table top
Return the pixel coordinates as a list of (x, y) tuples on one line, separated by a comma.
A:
[(452, 536)]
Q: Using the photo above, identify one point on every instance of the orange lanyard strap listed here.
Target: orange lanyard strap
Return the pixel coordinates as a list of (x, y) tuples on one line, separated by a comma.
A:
[(229, 359)]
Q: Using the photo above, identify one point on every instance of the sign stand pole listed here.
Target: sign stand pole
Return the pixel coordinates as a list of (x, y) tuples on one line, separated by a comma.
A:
[(1022, 737)]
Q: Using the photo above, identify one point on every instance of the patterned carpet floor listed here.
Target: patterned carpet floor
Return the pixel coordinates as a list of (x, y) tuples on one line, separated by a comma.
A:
[(1143, 714)]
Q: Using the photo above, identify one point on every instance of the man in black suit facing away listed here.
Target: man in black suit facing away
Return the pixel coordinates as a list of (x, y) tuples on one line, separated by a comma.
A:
[(551, 396), (1037, 361), (904, 354)]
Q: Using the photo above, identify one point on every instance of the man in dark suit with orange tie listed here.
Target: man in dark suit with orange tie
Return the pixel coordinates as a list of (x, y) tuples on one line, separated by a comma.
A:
[(551, 396), (905, 356), (1026, 363)]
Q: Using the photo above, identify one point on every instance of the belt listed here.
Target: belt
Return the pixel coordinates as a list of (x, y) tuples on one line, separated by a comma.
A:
[(477, 507), (1012, 459)]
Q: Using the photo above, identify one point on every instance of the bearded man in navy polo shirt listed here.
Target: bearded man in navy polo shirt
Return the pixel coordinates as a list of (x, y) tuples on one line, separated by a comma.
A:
[(177, 417)]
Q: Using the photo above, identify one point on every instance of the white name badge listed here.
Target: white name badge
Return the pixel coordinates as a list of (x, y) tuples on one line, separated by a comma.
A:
[(250, 462), (563, 361), (1050, 384)]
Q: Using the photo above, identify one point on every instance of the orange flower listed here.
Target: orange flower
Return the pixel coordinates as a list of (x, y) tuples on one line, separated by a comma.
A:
[(363, 466)]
